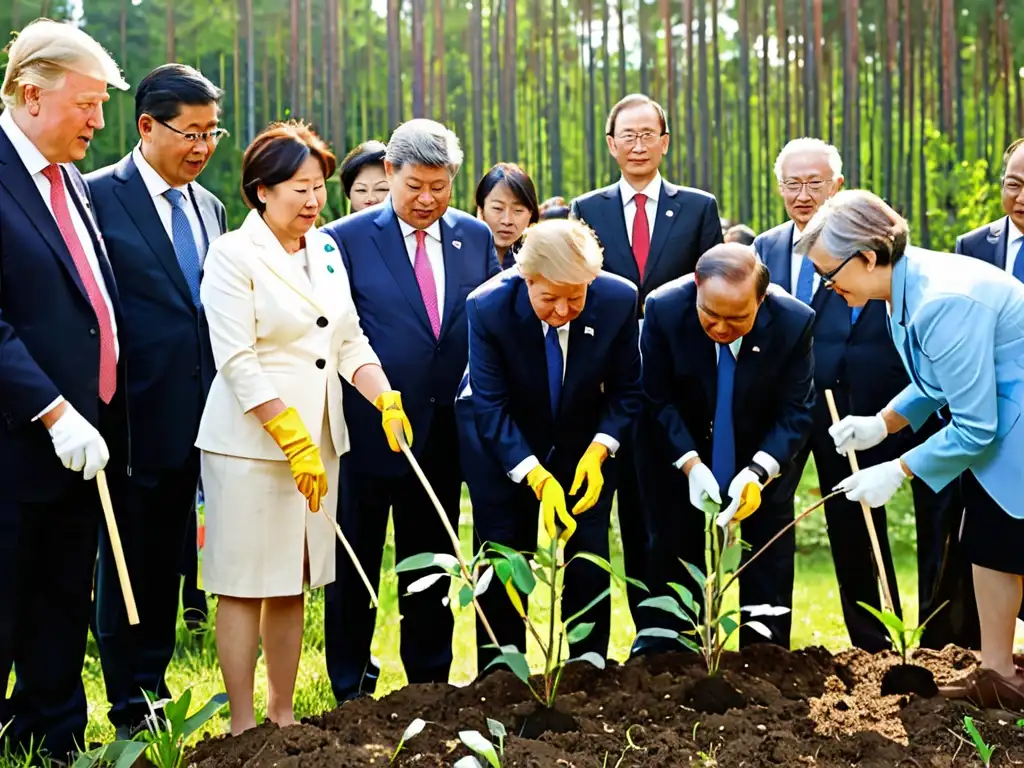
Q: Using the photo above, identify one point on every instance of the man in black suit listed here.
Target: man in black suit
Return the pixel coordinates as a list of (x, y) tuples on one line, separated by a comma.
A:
[(61, 391), (157, 223), (729, 376), (652, 232)]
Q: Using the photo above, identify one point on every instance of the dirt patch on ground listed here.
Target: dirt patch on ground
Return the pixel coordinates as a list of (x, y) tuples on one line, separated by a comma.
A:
[(805, 708)]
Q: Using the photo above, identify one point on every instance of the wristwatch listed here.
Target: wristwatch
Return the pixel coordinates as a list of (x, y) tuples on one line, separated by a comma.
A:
[(761, 472)]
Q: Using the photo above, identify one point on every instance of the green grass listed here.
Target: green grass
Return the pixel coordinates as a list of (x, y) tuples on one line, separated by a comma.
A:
[(817, 620)]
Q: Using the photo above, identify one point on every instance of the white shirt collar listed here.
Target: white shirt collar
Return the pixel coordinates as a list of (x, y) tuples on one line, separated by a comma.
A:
[(797, 233), (29, 153), (434, 230), (560, 328), (1012, 233), (652, 190), (155, 183)]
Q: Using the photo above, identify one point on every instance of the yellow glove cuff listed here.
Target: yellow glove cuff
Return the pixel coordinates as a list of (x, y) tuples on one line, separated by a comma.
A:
[(536, 478), (390, 399), (289, 432)]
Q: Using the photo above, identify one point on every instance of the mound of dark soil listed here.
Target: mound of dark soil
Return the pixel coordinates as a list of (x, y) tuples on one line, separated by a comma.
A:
[(805, 708)]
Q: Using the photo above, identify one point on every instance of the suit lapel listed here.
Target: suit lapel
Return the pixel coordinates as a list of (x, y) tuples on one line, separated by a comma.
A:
[(80, 199), (579, 348), (135, 198), (614, 237), (705, 353), (391, 247), (208, 221), (779, 258), (999, 240), (752, 352), (451, 234), (531, 341), (664, 220)]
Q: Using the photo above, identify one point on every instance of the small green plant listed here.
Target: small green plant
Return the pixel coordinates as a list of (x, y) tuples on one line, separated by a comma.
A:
[(630, 746), (984, 750), (483, 746), (904, 639), (168, 727), (412, 731), (21, 756), (1020, 723)]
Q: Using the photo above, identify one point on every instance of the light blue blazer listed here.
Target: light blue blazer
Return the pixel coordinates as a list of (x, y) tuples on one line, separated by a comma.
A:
[(958, 324)]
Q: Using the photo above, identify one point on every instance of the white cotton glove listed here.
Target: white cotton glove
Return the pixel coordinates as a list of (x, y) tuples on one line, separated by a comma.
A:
[(736, 487), (858, 433), (704, 492), (78, 444), (875, 485)]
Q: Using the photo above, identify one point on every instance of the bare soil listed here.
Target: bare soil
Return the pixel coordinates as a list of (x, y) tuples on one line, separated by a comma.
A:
[(791, 709)]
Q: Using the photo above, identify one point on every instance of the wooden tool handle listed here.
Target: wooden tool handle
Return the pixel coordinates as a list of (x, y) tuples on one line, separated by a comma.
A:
[(354, 559), (869, 520), (115, 546)]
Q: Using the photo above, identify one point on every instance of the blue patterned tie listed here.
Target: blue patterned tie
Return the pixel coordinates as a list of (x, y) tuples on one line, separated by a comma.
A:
[(184, 242), (723, 439), (553, 353), (805, 281)]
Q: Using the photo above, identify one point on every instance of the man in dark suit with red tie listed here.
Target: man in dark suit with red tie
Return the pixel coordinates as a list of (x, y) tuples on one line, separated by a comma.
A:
[(652, 232), (60, 391)]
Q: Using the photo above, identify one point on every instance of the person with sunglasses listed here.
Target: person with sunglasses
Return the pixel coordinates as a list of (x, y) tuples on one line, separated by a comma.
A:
[(958, 326)]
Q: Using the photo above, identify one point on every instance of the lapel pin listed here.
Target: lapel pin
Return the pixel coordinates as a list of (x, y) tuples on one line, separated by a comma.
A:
[(330, 269), (670, 214), (328, 247), (457, 244), (756, 349), (588, 331)]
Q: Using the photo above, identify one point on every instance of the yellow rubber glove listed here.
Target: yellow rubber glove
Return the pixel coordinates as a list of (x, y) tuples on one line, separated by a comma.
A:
[(552, 503), (589, 469), (750, 501), (291, 436), (390, 406)]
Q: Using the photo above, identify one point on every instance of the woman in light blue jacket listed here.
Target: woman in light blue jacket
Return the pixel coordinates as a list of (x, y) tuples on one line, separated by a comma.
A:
[(958, 325)]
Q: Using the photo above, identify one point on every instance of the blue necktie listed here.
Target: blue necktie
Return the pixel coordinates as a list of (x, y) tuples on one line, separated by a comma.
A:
[(854, 314), (184, 243), (805, 281), (553, 353), (723, 439), (1018, 265)]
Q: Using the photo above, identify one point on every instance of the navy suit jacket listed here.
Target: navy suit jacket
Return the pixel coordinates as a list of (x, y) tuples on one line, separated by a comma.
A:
[(507, 389), (987, 242), (165, 341), (425, 370), (49, 337), (773, 394), (686, 225), (859, 358)]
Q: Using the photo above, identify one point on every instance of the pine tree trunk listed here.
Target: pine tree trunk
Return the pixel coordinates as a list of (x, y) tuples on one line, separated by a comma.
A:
[(691, 125), (418, 64), (851, 93), (745, 153), (702, 91), (719, 122), (170, 29), (293, 60), (476, 45), (622, 49), (554, 118), (511, 59)]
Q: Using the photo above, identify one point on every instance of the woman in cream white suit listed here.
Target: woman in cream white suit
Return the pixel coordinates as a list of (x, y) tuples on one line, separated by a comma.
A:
[(283, 327)]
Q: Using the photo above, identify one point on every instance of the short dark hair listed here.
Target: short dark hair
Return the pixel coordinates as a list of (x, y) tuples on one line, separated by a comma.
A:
[(741, 233), (734, 263), (555, 212), (164, 91), (277, 153), (367, 153), (517, 180), (1008, 154), (635, 100)]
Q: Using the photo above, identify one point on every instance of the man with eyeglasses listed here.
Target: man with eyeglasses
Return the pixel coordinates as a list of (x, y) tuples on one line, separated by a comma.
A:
[(158, 223), (1000, 241), (850, 345), (652, 232)]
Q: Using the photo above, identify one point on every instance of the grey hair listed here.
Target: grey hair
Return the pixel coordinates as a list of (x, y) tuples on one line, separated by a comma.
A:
[(734, 263), (424, 142), (563, 251), (808, 144), (856, 220)]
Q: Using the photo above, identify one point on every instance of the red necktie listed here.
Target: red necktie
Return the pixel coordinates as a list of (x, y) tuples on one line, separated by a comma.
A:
[(641, 233), (108, 359)]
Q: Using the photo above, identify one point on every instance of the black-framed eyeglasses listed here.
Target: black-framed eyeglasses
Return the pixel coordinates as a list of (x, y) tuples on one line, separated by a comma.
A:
[(208, 137), (828, 278)]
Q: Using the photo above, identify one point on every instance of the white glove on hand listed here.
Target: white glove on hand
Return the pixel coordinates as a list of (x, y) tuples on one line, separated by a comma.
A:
[(858, 433), (875, 485), (78, 444), (736, 487), (704, 492)]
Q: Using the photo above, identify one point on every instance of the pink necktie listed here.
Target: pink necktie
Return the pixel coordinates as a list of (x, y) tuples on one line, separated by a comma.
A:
[(425, 278), (108, 358)]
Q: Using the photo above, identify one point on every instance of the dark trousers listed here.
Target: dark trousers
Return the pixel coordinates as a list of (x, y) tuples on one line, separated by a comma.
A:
[(427, 624), (848, 537), (508, 514), (155, 513)]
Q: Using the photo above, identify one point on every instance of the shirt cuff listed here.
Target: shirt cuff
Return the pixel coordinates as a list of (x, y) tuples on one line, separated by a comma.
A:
[(523, 468), (684, 458), (768, 463), (48, 408), (608, 442)]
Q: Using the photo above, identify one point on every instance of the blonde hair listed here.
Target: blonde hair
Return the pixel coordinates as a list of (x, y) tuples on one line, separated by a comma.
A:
[(561, 250), (45, 51)]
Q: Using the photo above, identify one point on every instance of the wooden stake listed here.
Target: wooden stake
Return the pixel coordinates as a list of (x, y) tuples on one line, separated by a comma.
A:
[(115, 546), (355, 560)]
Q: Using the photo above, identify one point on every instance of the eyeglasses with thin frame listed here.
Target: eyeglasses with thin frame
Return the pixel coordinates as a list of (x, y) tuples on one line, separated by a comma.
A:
[(646, 137), (828, 278), (208, 137), (794, 187)]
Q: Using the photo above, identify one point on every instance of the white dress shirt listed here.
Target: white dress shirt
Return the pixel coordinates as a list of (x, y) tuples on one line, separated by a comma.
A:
[(652, 190), (764, 460), (523, 468), (1014, 243), (435, 254), (35, 163), (156, 186), (795, 262)]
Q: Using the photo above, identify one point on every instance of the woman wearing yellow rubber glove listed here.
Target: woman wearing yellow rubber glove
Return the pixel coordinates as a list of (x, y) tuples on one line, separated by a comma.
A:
[(553, 385), (282, 327)]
